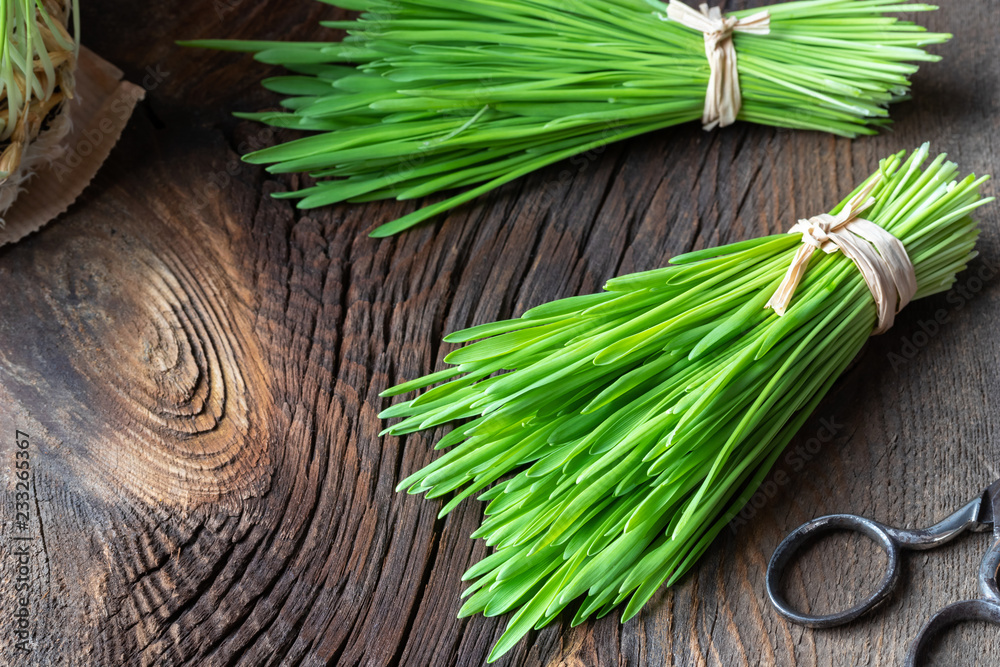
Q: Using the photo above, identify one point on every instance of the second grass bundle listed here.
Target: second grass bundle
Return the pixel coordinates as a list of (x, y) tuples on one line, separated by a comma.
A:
[(426, 96), (614, 434)]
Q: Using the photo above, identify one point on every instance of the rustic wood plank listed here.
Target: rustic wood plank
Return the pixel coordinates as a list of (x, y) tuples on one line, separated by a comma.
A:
[(198, 366)]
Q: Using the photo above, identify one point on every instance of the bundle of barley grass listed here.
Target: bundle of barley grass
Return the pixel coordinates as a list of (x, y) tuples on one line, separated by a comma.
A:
[(613, 434), (425, 95), (37, 61)]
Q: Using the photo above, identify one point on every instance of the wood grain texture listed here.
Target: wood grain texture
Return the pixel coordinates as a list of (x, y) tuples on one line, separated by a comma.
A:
[(198, 367)]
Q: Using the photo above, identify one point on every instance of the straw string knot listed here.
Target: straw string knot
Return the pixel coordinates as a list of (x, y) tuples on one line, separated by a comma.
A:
[(815, 231), (722, 97), (879, 256)]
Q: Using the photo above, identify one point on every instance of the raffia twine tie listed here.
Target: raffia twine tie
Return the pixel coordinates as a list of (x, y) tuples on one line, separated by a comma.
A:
[(879, 256), (722, 98)]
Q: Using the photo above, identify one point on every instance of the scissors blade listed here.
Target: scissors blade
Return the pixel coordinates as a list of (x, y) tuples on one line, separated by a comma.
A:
[(989, 507)]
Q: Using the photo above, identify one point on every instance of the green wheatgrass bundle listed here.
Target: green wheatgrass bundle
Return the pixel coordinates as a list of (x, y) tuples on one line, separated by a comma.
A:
[(430, 95), (614, 434)]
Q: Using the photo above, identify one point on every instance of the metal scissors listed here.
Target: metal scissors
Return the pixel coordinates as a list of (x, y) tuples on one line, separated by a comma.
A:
[(979, 515)]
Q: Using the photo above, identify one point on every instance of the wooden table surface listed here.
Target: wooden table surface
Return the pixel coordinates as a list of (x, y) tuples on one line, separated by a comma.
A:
[(197, 366)]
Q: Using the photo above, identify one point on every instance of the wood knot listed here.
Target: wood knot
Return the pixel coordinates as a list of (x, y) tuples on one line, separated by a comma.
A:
[(159, 341)]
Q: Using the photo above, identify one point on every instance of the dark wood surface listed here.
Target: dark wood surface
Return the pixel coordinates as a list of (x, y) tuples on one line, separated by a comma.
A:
[(198, 366)]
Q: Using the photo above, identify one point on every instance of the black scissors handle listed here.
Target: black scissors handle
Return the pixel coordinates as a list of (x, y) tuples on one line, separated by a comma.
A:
[(966, 610), (808, 532), (986, 609), (891, 540)]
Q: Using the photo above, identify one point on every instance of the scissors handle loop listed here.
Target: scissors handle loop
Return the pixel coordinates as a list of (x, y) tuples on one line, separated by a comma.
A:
[(808, 532), (987, 609), (966, 610), (891, 540)]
